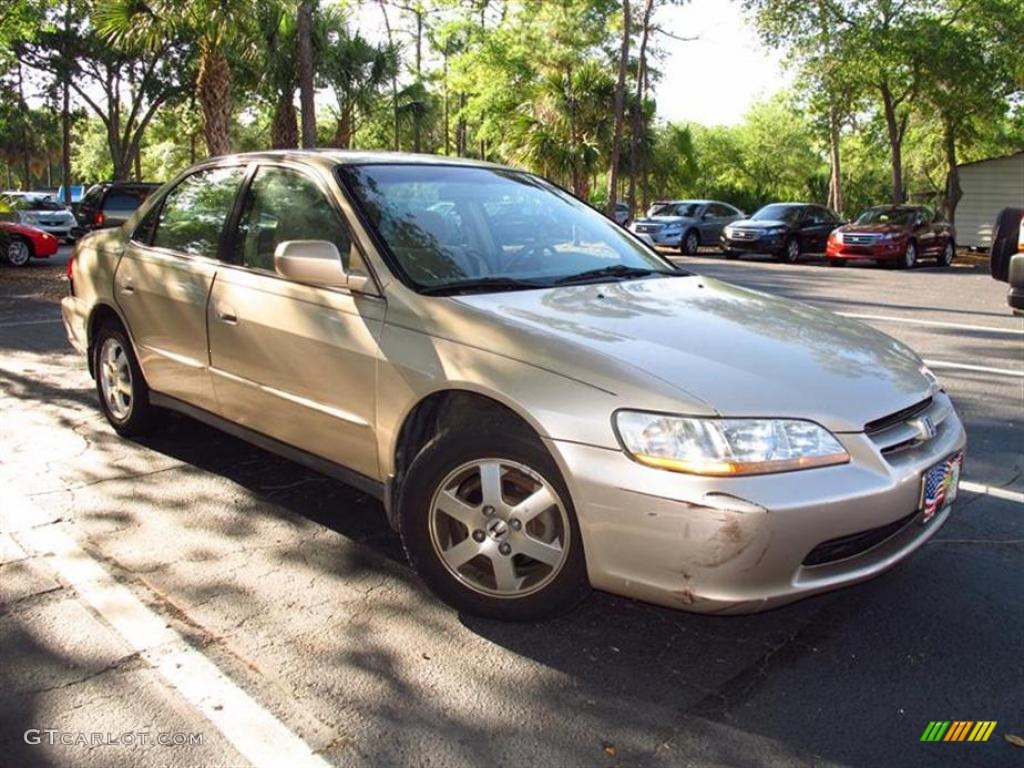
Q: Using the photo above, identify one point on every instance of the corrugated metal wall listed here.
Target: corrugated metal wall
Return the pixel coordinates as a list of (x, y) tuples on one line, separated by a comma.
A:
[(988, 187)]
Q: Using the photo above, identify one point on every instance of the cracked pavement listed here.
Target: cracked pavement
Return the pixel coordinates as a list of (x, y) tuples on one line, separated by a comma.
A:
[(295, 587)]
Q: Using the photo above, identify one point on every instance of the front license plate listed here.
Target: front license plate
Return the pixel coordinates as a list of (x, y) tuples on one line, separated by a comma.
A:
[(939, 485)]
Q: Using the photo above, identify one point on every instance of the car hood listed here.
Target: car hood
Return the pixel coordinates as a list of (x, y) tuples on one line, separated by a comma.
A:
[(740, 352), (759, 223), (665, 220), (874, 229)]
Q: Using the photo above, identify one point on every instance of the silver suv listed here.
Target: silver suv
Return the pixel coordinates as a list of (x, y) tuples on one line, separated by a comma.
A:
[(542, 403)]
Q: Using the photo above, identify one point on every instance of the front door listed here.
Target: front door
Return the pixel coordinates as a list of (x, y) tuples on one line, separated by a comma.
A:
[(295, 362), (163, 281)]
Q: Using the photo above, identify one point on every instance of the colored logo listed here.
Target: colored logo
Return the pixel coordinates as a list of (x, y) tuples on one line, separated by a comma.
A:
[(958, 730)]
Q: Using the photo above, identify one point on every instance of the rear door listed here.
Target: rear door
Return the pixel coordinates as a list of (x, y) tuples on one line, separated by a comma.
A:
[(292, 361), (929, 242), (817, 224), (163, 281)]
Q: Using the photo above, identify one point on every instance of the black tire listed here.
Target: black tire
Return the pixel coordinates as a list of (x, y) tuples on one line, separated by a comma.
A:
[(141, 414), (18, 252), (945, 259), (435, 462), (790, 252), (689, 244), (908, 260)]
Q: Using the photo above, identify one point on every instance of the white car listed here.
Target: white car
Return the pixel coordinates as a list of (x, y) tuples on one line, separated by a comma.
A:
[(39, 210)]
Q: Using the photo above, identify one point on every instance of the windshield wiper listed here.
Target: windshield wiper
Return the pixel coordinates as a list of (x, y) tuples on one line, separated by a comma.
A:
[(481, 285), (616, 270)]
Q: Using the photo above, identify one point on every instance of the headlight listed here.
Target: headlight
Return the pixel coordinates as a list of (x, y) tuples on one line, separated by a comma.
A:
[(726, 447), (775, 230), (728, 231), (29, 218)]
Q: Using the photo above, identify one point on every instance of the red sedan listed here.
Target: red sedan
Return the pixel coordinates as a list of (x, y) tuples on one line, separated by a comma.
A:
[(27, 243), (900, 234)]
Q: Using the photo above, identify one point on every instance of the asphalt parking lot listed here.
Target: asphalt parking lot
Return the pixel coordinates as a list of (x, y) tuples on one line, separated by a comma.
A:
[(190, 583)]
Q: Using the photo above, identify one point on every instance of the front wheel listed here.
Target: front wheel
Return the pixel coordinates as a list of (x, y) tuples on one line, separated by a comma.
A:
[(791, 251), (690, 243), (19, 252), (123, 392), (487, 522), (909, 257), (946, 257)]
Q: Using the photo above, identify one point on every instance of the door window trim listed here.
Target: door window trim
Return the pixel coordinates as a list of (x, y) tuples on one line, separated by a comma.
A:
[(158, 206), (231, 229)]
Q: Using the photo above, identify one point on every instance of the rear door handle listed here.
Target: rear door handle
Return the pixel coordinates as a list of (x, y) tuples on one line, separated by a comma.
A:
[(127, 285)]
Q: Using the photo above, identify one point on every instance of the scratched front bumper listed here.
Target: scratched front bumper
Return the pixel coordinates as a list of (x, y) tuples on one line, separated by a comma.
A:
[(736, 545)]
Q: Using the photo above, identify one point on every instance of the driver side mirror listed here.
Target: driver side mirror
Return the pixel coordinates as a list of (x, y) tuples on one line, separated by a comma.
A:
[(317, 262)]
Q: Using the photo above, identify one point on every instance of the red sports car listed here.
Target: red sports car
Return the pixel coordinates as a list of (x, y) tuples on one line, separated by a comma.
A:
[(894, 233), (25, 243)]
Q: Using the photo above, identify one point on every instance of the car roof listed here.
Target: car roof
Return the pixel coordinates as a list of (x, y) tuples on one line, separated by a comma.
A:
[(332, 157)]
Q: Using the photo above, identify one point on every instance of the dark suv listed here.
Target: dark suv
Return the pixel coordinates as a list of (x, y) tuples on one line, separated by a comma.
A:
[(784, 230), (111, 204)]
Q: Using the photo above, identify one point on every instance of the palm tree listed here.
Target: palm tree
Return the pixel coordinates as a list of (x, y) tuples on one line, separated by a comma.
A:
[(562, 131), (273, 72), (212, 25), (305, 50), (357, 71)]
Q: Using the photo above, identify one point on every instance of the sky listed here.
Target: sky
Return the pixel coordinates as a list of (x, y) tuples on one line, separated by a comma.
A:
[(713, 79), (717, 77)]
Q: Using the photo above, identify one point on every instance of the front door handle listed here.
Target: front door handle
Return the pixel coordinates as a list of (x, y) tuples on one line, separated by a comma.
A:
[(227, 314)]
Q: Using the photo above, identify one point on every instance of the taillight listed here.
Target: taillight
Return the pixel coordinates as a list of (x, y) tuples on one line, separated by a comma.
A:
[(71, 270), (98, 219)]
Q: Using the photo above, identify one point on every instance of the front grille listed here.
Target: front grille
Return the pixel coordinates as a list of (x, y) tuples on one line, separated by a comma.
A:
[(648, 228), (855, 544), (893, 419), (851, 239), (745, 234)]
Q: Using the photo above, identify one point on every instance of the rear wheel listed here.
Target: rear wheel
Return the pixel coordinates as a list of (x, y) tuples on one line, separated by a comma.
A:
[(690, 243), (123, 392), (946, 257), (487, 522), (19, 252), (909, 257)]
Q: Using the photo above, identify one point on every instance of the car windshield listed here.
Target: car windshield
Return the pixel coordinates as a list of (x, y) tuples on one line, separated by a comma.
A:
[(787, 213), (676, 209), (22, 203), (887, 216), (465, 228)]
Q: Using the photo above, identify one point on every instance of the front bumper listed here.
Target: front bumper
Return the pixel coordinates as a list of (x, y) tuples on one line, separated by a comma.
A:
[(75, 316), (762, 244), (62, 231), (660, 239), (879, 251), (739, 545)]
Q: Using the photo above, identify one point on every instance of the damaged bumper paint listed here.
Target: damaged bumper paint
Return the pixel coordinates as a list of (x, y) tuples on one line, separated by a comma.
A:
[(745, 544)]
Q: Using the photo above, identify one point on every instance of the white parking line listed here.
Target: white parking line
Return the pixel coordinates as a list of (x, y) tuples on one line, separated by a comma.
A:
[(978, 368), (28, 322), (934, 323), (258, 735), (998, 493)]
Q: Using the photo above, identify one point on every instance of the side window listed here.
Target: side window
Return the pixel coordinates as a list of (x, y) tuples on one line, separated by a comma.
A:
[(721, 211), (283, 205), (193, 214), (816, 216)]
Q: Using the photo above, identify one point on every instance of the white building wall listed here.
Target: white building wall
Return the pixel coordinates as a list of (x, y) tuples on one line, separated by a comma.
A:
[(988, 187)]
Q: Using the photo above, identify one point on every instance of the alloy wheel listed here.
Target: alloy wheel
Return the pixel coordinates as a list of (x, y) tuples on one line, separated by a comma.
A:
[(691, 244), (793, 251), (947, 255), (499, 528), (910, 256), (116, 379), (18, 253)]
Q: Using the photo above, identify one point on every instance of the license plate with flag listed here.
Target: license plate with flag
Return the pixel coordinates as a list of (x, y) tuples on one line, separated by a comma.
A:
[(939, 485)]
